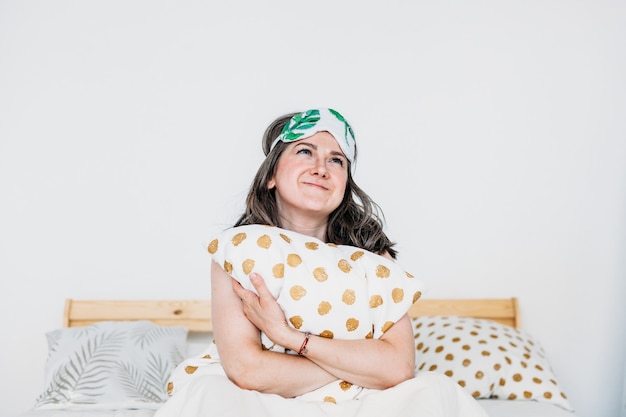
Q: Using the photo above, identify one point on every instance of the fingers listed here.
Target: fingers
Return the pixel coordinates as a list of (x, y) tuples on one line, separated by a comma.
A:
[(259, 285), (238, 289)]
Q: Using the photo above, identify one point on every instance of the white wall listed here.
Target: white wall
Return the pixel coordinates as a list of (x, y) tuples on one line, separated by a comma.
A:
[(492, 134)]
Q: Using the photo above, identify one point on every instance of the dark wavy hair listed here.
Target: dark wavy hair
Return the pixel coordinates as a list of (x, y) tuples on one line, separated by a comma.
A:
[(358, 221)]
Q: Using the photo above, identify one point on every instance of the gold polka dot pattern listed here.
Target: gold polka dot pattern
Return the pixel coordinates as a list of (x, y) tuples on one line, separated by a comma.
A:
[(397, 295), (247, 266), (293, 260), (311, 245), (488, 359), (352, 324), (320, 274), (387, 325), (375, 301), (264, 242), (349, 297), (344, 385), (278, 271), (327, 334), (238, 238), (213, 246), (296, 322), (357, 255), (382, 271), (297, 292), (324, 308), (344, 265)]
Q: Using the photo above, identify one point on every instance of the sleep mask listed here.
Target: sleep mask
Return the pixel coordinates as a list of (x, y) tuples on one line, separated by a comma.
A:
[(308, 123)]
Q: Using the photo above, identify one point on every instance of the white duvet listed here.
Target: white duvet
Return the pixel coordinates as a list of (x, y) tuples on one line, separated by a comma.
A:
[(494, 408), (427, 395)]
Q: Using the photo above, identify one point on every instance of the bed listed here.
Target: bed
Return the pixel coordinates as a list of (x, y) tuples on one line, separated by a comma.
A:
[(478, 343)]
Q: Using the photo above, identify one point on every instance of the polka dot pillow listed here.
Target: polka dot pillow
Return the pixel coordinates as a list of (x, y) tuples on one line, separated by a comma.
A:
[(329, 290), (488, 359)]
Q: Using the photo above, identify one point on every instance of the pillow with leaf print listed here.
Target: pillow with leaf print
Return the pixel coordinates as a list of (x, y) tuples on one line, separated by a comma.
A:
[(488, 359), (112, 365)]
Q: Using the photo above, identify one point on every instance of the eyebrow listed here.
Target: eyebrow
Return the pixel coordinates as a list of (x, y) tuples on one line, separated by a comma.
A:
[(311, 145)]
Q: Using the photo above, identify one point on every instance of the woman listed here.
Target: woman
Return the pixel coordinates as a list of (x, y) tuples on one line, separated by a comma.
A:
[(353, 340)]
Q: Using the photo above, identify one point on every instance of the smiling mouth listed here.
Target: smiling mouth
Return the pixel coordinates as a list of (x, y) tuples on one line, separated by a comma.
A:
[(316, 185)]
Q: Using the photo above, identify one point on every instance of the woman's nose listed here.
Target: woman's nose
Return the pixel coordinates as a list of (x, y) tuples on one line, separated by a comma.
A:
[(319, 168)]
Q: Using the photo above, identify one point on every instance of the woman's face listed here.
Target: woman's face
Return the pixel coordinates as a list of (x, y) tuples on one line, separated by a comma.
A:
[(311, 177)]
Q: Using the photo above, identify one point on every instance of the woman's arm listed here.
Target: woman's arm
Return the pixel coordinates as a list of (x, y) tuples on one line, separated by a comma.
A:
[(242, 356), (372, 363)]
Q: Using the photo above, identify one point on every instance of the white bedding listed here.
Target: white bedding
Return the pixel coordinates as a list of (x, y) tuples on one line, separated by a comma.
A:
[(505, 408), (429, 394), (494, 408), (89, 413)]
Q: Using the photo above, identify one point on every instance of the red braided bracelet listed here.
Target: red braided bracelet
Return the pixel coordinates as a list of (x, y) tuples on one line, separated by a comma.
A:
[(303, 350)]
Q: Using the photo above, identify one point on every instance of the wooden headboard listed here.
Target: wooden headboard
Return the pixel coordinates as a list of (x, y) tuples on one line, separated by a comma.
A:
[(196, 314)]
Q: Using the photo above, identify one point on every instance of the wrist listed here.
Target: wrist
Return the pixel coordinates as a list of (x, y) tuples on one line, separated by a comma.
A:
[(294, 339), (303, 347), (286, 336)]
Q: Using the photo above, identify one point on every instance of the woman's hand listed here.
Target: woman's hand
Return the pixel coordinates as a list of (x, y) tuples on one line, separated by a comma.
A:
[(263, 310)]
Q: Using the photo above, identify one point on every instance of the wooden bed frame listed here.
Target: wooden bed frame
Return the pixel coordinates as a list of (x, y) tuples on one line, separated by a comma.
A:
[(195, 315)]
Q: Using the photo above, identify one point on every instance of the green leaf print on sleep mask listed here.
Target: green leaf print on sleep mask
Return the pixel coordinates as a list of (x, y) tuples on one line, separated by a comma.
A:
[(310, 122)]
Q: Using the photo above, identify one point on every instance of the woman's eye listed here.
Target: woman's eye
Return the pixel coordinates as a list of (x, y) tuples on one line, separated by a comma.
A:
[(305, 151), (337, 161)]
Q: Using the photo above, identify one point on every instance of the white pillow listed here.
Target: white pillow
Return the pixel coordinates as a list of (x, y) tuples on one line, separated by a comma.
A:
[(113, 365), (488, 359), (335, 291)]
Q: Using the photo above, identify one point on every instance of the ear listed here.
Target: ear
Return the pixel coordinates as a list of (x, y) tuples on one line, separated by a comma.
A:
[(271, 184)]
